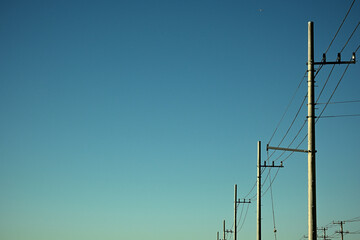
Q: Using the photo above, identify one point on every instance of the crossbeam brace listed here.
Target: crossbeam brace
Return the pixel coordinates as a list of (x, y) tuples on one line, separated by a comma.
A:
[(286, 149)]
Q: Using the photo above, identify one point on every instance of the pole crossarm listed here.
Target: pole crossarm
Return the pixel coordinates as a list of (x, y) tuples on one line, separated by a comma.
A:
[(272, 165), (243, 201), (328, 63), (286, 149), (338, 60)]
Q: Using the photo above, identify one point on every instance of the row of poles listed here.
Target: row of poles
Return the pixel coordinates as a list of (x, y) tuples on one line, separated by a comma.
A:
[(312, 222)]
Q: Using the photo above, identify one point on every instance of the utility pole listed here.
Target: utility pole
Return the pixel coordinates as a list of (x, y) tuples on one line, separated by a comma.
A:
[(217, 236), (236, 202), (312, 228), (259, 166), (235, 210), (324, 232), (341, 223), (258, 228), (225, 231), (312, 224)]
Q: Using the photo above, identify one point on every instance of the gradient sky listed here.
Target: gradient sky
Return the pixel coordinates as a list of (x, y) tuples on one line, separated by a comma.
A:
[(134, 119)]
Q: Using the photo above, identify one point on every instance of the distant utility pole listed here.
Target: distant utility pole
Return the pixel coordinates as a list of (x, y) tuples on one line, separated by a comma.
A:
[(341, 223), (324, 232), (312, 224), (236, 202), (258, 220), (217, 236), (259, 166), (225, 230)]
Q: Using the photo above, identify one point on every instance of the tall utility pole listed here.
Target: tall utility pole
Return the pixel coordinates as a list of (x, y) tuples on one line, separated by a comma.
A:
[(258, 228), (312, 228), (217, 236), (312, 224)]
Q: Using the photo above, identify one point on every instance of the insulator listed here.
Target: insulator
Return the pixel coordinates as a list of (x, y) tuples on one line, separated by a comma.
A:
[(338, 57)]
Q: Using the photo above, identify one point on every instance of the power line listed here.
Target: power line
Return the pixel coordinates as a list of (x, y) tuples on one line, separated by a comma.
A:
[(287, 107), (340, 27), (271, 182), (327, 79), (292, 123), (273, 210), (320, 67), (327, 103), (356, 219), (244, 218), (350, 37), (297, 134)]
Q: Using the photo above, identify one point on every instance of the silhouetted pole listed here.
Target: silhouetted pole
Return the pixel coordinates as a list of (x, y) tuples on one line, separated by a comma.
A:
[(312, 228), (217, 236), (258, 229), (235, 210), (224, 231), (341, 229)]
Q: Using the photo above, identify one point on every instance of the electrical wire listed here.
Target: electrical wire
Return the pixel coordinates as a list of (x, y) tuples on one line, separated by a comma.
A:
[(297, 134), (251, 189), (327, 79), (292, 123), (247, 209), (242, 209), (350, 37), (340, 27), (356, 219), (271, 182), (272, 205), (318, 70), (332, 94), (320, 67), (334, 64), (287, 107)]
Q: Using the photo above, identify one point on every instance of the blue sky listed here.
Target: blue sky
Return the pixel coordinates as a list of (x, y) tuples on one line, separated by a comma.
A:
[(134, 119)]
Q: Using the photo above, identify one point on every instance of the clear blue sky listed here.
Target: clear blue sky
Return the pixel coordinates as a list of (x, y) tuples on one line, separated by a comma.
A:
[(134, 119)]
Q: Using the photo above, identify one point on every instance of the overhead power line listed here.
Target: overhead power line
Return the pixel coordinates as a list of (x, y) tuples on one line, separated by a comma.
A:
[(340, 27), (350, 37), (288, 106)]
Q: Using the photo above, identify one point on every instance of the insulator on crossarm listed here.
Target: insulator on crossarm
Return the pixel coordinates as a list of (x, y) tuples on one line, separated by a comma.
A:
[(338, 59)]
